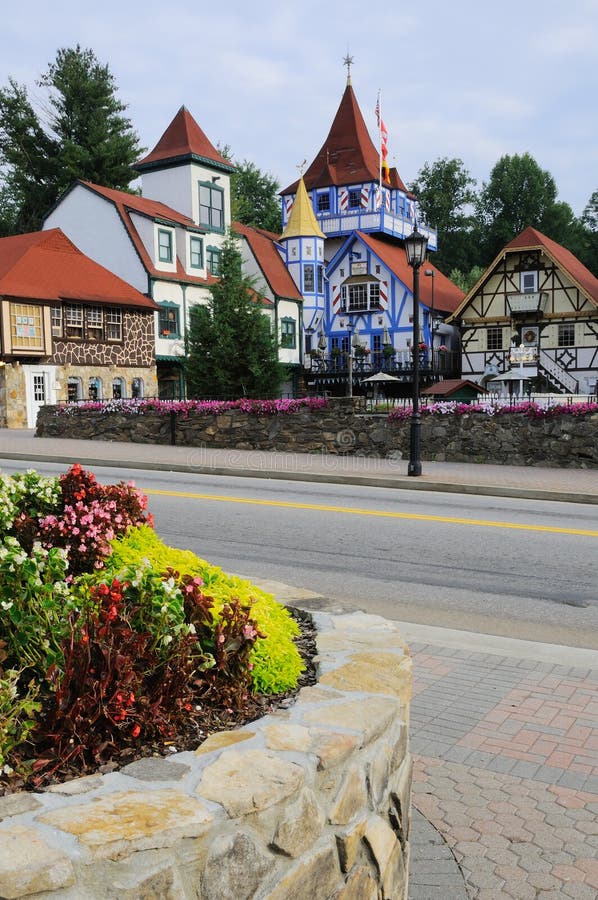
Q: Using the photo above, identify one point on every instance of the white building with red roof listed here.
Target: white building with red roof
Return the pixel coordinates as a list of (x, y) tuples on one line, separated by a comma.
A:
[(69, 328), (167, 241), (535, 311)]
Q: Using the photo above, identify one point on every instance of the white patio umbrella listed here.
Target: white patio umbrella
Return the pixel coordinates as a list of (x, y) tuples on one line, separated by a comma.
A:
[(379, 377)]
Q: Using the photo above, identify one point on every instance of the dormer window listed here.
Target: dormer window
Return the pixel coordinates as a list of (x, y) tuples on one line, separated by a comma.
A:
[(211, 206), (165, 252), (528, 282)]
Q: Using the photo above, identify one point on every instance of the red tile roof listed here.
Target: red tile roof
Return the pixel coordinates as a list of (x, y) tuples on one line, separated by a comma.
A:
[(348, 155), (447, 296), (532, 239), (182, 140), (125, 204), (450, 386), (152, 208), (46, 265), (262, 244)]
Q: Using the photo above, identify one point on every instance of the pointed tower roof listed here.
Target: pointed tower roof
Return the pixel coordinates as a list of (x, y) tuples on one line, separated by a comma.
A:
[(348, 154), (302, 220), (182, 141)]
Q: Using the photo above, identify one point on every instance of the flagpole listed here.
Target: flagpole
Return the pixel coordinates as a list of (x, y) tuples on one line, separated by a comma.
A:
[(379, 109)]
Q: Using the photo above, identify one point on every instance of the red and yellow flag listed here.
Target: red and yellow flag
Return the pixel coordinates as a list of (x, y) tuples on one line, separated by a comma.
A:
[(384, 168)]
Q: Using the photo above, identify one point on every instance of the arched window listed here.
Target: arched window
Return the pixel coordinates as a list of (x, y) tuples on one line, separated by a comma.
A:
[(118, 388), (74, 389), (94, 388), (137, 388)]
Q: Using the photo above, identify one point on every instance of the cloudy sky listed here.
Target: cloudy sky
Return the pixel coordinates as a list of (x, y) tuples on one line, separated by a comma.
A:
[(461, 79)]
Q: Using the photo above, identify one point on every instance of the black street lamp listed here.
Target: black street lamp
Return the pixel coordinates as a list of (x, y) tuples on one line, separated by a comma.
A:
[(416, 246)]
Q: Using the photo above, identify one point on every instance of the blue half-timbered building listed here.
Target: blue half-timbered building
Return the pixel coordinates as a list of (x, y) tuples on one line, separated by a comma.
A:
[(344, 222)]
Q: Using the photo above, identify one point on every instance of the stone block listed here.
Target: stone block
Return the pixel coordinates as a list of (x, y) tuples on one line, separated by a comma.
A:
[(246, 782), (351, 799), (28, 865), (332, 747), (300, 825), (348, 843), (223, 739), (378, 771), (316, 874), (235, 868), (128, 821), (382, 841), (360, 885), (374, 673), (369, 717), (16, 804), (287, 736)]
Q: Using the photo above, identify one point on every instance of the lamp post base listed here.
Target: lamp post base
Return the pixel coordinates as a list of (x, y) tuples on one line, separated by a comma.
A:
[(415, 463), (414, 467)]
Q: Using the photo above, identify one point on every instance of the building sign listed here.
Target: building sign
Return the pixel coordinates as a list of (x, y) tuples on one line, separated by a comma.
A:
[(359, 268)]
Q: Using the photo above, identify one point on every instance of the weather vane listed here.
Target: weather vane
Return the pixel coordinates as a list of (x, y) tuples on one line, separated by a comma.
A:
[(348, 62), (300, 167)]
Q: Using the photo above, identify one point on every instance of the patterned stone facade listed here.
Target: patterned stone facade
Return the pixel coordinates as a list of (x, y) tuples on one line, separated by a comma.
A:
[(136, 348), (309, 802)]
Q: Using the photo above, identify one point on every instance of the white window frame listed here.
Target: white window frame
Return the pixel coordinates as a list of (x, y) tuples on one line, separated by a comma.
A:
[(114, 324), (533, 277)]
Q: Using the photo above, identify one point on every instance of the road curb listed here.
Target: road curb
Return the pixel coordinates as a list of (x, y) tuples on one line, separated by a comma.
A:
[(389, 482)]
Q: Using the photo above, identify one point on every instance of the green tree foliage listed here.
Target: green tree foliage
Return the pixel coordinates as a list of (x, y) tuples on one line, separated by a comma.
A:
[(466, 280), (82, 134), (589, 234), (520, 194), (254, 198), (231, 350), (445, 191)]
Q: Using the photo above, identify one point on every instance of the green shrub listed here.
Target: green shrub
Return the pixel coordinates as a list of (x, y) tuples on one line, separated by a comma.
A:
[(35, 601), (276, 661), (29, 493), (16, 715)]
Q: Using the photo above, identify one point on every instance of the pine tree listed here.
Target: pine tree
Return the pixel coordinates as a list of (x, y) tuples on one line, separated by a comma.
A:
[(232, 351), (85, 136)]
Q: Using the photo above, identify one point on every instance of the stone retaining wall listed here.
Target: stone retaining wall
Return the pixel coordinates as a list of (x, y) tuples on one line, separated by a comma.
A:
[(344, 428), (309, 803)]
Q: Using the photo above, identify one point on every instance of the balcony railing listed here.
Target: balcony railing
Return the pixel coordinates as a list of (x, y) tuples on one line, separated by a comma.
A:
[(358, 219), (531, 301), (440, 364)]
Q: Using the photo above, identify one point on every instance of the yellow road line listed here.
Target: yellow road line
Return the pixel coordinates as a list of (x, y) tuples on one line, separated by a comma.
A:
[(356, 511)]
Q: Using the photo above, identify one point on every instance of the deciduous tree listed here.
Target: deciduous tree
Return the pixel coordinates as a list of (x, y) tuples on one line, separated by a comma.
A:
[(445, 191)]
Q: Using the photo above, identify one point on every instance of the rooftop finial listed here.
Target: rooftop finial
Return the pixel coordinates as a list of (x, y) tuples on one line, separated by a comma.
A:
[(301, 167), (348, 62)]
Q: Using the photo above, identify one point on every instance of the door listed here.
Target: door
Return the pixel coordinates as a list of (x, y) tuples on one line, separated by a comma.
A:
[(41, 390)]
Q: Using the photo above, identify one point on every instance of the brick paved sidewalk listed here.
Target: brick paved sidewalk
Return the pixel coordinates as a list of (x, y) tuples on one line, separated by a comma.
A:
[(506, 770)]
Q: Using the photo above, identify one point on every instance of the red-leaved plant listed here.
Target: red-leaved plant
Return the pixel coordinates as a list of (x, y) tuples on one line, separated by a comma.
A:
[(114, 690)]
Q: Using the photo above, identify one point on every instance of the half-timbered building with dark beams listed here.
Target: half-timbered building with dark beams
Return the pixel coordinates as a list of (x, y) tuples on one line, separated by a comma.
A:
[(534, 309)]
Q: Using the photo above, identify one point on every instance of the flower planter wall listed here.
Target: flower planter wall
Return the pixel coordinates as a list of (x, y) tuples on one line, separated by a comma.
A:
[(343, 428), (309, 802)]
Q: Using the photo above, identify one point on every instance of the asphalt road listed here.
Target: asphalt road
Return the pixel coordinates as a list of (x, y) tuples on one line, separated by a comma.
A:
[(518, 568)]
